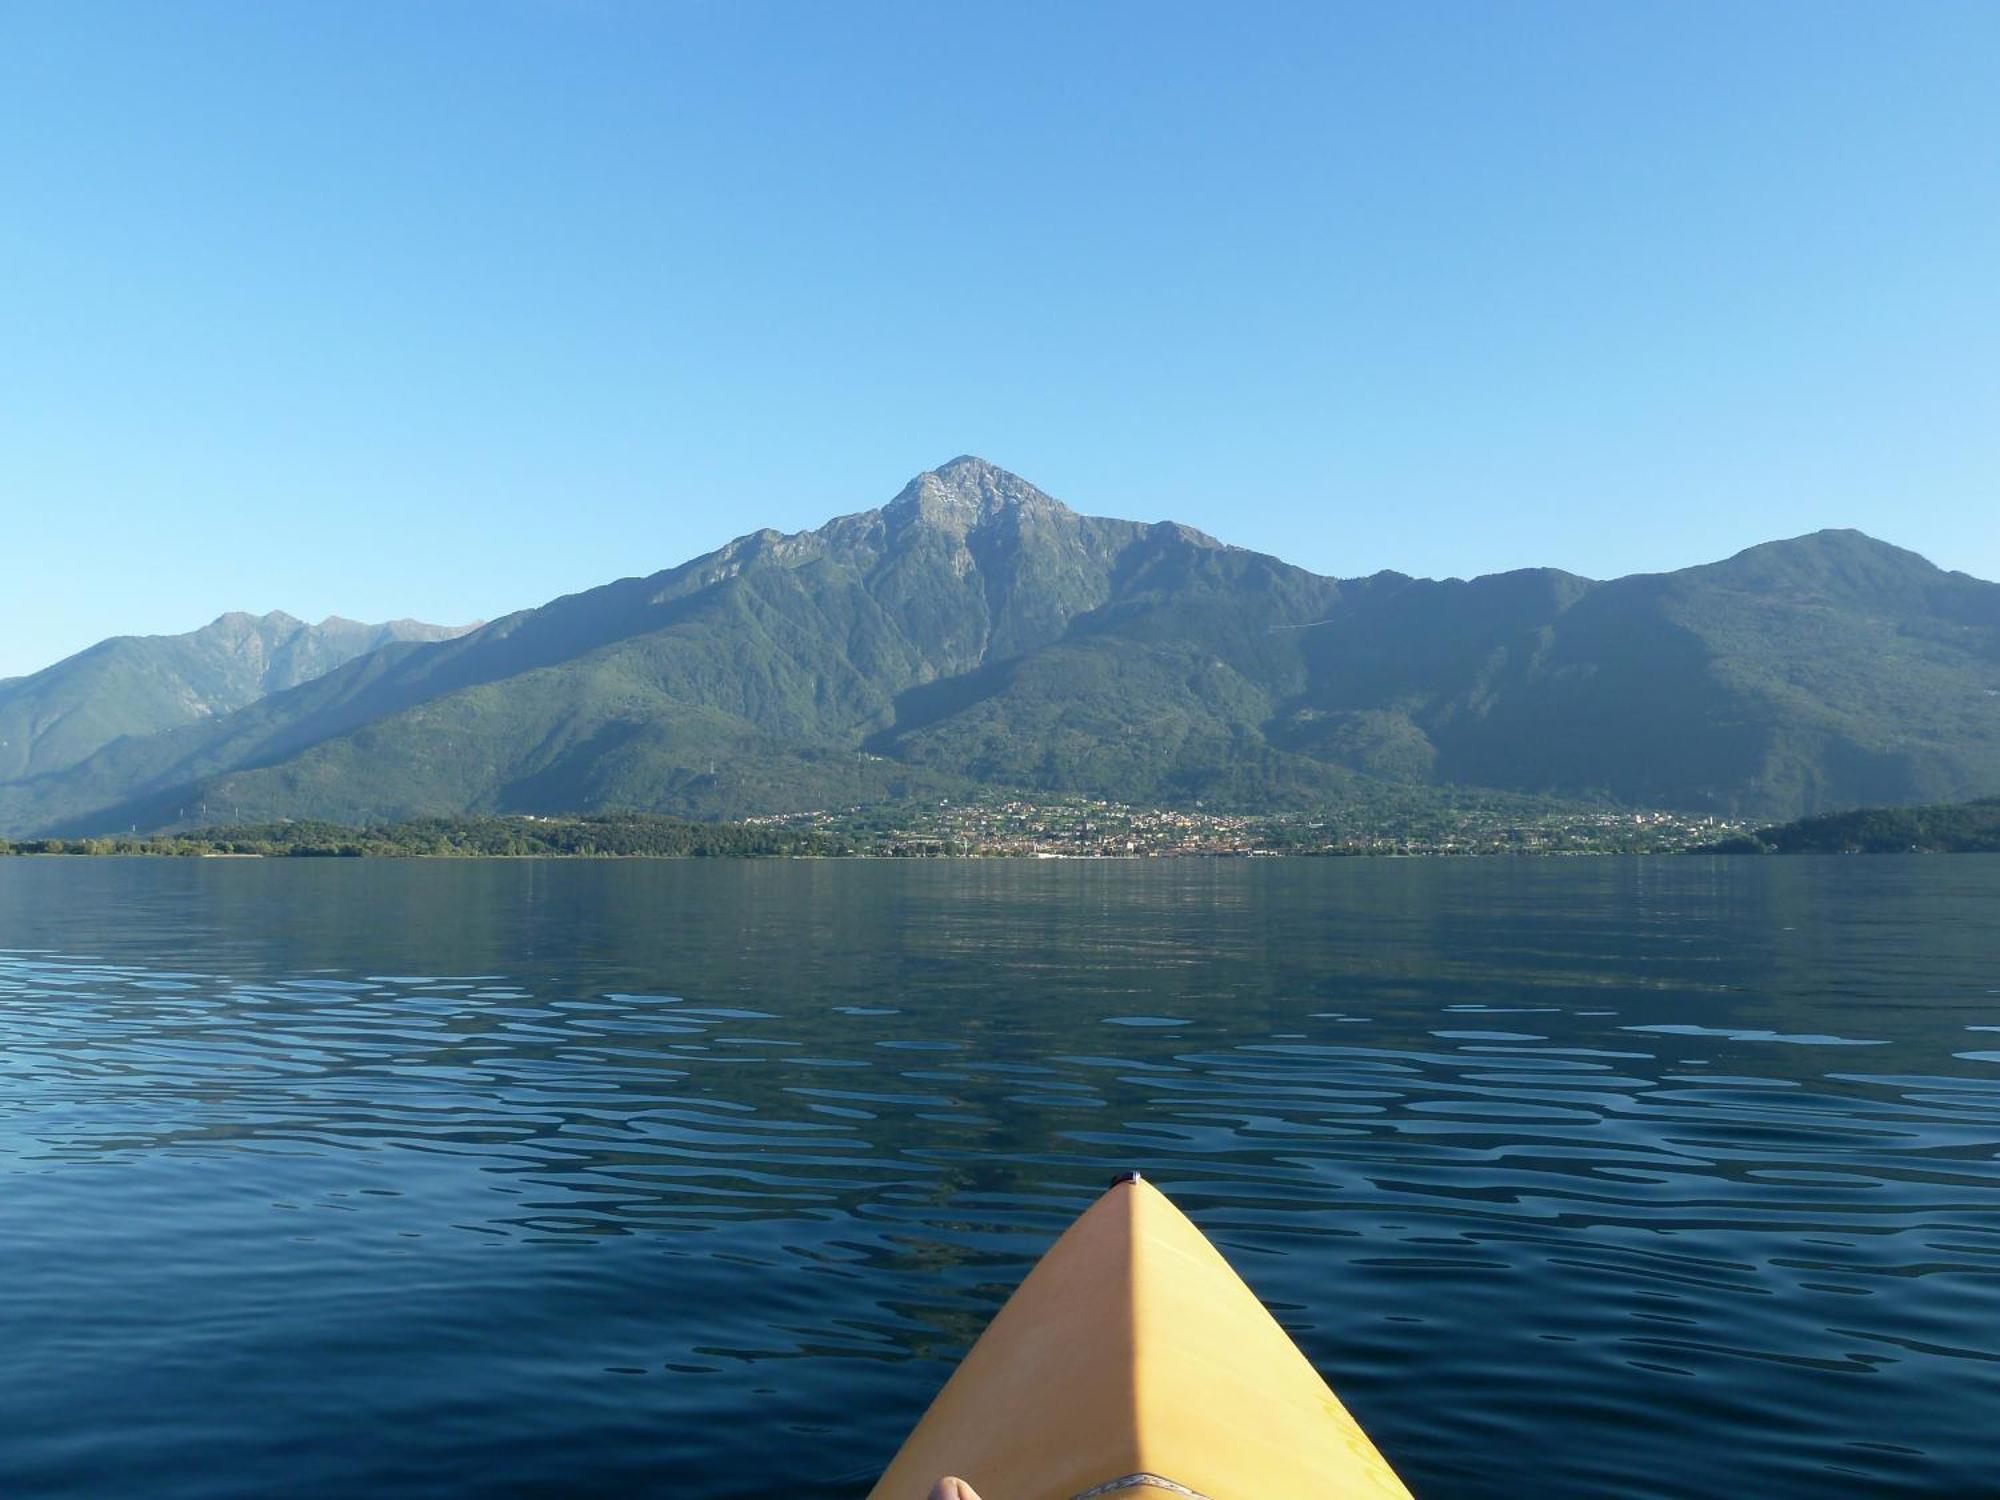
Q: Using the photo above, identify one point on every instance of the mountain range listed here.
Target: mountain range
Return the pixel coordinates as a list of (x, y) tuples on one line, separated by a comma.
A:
[(140, 684), (976, 633)]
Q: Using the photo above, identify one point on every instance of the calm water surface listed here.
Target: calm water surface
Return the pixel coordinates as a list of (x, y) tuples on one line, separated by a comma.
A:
[(1584, 1178)]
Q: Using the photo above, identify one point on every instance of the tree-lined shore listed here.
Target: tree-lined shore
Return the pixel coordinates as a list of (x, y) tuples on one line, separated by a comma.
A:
[(1943, 828), (1070, 827), (632, 835), (1000, 827)]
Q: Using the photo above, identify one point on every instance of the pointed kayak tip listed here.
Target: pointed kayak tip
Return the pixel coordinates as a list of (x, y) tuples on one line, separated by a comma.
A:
[(1132, 1357)]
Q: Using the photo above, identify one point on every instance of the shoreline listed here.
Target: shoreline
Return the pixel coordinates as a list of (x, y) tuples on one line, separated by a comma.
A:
[(995, 857)]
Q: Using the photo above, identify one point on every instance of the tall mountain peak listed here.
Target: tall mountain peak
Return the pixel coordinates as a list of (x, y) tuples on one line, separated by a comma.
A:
[(968, 492)]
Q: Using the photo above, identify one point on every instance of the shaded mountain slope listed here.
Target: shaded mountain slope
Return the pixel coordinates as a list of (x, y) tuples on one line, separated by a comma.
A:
[(139, 685), (1816, 672)]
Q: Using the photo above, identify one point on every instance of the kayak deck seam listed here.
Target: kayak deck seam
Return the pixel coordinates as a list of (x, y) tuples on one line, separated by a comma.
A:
[(1136, 1481)]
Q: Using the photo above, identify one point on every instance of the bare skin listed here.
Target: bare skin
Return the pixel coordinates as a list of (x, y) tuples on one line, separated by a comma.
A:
[(950, 1488)]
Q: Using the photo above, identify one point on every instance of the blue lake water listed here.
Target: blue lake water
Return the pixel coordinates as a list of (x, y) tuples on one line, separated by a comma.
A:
[(1578, 1178)]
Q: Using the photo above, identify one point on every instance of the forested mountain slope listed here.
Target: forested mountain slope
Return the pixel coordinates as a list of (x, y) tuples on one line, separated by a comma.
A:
[(141, 684)]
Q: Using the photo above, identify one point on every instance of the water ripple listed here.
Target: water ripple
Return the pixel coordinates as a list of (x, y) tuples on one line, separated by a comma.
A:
[(540, 1199)]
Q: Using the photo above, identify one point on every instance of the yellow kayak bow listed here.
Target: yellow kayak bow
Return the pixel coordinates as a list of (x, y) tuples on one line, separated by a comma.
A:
[(1133, 1359)]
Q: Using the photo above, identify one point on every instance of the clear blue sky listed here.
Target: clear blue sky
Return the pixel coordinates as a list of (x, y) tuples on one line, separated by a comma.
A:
[(444, 309)]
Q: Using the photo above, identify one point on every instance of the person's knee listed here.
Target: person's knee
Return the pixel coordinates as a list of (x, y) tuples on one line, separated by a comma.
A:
[(952, 1488)]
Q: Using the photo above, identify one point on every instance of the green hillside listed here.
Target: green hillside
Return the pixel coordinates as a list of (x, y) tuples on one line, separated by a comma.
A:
[(140, 685), (618, 836), (1951, 828)]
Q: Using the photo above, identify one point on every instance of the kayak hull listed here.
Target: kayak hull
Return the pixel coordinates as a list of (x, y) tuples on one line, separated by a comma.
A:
[(1133, 1358)]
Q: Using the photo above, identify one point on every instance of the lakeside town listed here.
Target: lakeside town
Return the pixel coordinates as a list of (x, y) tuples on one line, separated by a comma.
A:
[(1079, 827), (996, 828)]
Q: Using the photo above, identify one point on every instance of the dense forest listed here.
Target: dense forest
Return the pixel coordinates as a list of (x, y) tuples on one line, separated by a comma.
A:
[(628, 835), (1946, 828)]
